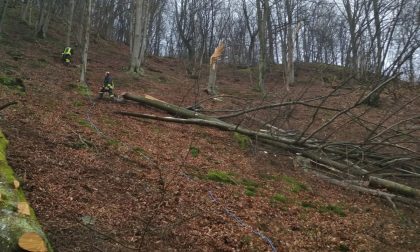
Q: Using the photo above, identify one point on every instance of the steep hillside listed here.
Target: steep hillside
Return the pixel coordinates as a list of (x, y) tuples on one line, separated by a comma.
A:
[(99, 181)]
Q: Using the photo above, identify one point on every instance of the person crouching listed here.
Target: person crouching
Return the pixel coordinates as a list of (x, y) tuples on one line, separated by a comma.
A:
[(108, 86)]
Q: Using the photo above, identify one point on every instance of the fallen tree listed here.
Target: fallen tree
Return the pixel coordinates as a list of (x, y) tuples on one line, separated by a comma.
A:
[(19, 228), (328, 154)]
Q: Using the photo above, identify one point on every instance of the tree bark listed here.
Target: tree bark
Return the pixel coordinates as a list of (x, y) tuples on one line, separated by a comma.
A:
[(44, 18), (394, 187), (387, 196), (88, 12), (70, 22), (138, 42), (26, 13), (262, 13), (3, 10), (211, 87)]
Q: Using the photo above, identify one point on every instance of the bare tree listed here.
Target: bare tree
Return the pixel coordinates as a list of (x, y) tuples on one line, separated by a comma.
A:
[(138, 41), (262, 13), (70, 21), (3, 9), (88, 11), (44, 18)]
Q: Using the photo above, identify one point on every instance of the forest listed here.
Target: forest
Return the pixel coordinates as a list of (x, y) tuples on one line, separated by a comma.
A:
[(236, 125)]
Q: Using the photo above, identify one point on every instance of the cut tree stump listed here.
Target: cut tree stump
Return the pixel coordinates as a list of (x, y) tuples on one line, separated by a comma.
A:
[(19, 228)]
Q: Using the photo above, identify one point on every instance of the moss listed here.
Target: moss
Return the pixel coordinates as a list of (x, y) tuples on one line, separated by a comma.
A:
[(248, 182), (333, 209), (278, 197), (13, 83), (113, 143), (250, 190), (8, 68), (220, 176), (195, 151), (243, 141), (296, 185), (83, 90), (85, 123), (268, 177), (308, 204), (77, 103)]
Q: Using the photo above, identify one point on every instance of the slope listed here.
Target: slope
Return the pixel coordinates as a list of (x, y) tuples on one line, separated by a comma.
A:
[(98, 181)]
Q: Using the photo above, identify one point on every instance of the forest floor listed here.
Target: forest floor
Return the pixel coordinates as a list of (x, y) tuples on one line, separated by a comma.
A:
[(103, 182)]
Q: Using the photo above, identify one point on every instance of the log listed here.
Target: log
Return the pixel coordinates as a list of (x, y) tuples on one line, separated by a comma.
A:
[(171, 109), (394, 187), (385, 195), (32, 242), (18, 223)]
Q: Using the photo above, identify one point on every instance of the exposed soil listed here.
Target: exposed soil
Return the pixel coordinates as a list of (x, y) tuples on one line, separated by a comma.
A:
[(103, 182)]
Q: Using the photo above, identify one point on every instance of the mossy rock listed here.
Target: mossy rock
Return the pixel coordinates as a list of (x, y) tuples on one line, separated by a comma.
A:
[(13, 83), (12, 223)]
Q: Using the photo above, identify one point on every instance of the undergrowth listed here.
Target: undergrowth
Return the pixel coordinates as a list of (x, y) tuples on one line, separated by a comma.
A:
[(222, 177), (243, 141), (296, 185)]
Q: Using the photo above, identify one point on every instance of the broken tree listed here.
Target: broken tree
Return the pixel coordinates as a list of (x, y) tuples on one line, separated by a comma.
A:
[(328, 154)]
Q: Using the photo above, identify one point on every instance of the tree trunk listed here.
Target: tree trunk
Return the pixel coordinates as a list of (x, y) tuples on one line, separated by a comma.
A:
[(26, 13), (86, 41), (17, 219), (211, 87), (70, 22), (3, 9), (394, 187), (139, 38), (262, 14), (44, 18), (80, 31), (290, 67)]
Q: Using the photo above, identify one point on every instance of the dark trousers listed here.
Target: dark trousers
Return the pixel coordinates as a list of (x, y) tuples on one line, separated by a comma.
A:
[(106, 90), (66, 59)]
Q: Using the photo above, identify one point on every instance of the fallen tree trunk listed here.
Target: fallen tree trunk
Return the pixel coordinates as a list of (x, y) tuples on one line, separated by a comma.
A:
[(387, 196), (307, 149), (171, 109), (19, 228), (394, 187)]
